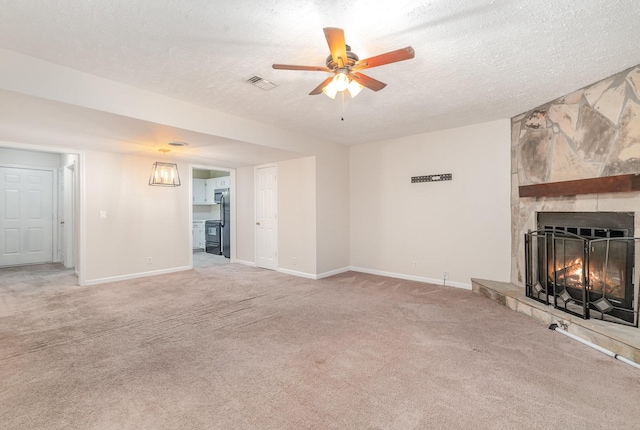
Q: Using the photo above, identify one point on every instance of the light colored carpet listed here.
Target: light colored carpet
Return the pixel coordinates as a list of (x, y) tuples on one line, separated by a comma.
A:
[(234, 347)]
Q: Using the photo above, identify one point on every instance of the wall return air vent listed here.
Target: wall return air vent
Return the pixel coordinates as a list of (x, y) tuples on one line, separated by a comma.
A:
[(432, 178), (261, 83)]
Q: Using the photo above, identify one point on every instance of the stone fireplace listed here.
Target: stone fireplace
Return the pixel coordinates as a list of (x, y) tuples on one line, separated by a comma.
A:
[(590, 134)]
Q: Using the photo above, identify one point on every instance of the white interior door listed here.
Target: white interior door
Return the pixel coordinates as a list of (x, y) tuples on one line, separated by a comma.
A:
[(26, 216), (266, 218)]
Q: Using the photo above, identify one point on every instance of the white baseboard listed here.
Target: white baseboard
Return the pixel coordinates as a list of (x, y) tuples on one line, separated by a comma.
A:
[(332, 272), (135, 275), (245, 262), (412, 277), (458, 285), (296, 273), (375, 272), (289, 272), (311, 275)]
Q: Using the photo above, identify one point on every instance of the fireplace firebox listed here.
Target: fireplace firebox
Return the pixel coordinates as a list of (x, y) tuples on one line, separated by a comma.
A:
[(583, 264)]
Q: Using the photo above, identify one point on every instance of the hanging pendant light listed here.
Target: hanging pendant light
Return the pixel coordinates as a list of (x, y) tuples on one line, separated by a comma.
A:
[(164, 174)]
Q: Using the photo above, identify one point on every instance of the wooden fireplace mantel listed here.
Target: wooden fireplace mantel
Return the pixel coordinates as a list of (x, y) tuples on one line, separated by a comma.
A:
[(607, 184)]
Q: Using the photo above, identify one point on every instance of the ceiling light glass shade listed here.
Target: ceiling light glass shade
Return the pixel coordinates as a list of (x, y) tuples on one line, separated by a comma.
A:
[(330, 90), (165, 175), (341, 81), (354, 88)]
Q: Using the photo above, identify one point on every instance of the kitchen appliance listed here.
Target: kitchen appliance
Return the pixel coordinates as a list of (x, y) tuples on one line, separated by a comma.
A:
[(225, 220), (217, 194), (213, 236)]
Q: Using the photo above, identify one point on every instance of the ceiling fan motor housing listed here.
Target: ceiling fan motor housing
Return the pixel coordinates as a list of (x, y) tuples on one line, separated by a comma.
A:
[(348, 62)]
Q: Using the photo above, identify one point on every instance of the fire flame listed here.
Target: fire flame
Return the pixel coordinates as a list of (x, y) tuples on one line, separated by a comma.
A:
[(571, 276)]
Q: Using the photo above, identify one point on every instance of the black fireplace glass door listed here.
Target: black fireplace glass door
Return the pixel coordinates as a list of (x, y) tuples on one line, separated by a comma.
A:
[(567, 268), (610, 268), (587, 260)]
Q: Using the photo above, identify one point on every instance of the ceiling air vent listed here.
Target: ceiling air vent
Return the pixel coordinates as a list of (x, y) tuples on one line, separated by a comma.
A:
[(261, 83)]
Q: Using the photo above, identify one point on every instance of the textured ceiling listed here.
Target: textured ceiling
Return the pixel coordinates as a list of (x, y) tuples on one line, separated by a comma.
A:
[(476, 60)]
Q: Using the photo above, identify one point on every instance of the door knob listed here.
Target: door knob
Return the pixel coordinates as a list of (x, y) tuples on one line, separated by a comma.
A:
[(257, 223)]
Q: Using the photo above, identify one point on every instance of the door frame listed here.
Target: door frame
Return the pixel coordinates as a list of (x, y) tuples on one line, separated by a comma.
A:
[(80, 209), (69, 205), (255, 213), (232, 208)]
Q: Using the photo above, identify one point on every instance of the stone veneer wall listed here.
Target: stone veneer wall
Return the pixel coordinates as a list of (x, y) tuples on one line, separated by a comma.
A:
[(592, 132)]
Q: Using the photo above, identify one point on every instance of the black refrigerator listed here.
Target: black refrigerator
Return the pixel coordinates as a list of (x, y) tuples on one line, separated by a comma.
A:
[(225, 222)]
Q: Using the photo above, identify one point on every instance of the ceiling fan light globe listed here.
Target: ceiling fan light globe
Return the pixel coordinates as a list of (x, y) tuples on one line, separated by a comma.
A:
[(354, 88), (341, 82), (330, 90)]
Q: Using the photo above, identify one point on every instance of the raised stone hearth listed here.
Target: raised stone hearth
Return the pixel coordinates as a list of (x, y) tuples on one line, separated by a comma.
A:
[(622, 340)]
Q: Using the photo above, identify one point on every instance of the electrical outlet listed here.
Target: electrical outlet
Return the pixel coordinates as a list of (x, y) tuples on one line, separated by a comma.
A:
[(294, 261), (415, 264), (445, 275), (149, 260)]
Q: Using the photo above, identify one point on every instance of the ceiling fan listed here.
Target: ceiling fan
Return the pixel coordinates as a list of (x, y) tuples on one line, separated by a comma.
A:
[(346, 66)]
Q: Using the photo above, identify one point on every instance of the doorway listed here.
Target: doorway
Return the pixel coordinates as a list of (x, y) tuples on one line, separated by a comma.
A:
[(213, 216), (38, 209)]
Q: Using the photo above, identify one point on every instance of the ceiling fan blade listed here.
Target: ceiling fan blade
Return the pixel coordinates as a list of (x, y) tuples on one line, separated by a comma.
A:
[(293, 67), (318, 89), (335, 40), (368, 82), (382, 59)]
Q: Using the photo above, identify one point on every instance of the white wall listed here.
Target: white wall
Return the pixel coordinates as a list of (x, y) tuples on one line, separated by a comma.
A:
[(245, 215), (297, 215), (332, 228), (142, 221), (460, 226), (19, 157), (206, 212)]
